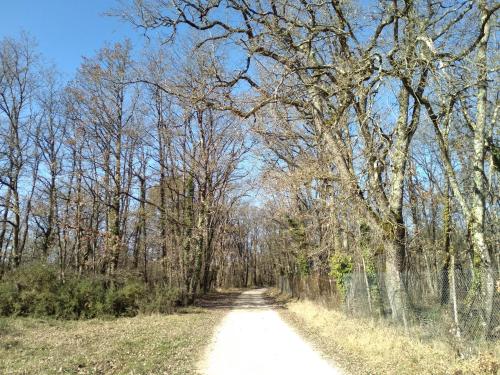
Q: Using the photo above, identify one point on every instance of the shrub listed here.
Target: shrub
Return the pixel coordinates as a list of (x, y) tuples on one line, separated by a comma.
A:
[(37, 276), (30, 290), (81, 298), (8, 295), (35, 290), (303, 264), (125, 300), (341, 266), (162, 300)]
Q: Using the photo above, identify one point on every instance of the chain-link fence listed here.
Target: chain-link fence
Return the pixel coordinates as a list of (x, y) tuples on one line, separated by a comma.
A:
[(450, 306)]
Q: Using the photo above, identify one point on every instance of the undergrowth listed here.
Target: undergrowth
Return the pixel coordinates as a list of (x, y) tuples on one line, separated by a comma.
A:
[(36, 290)]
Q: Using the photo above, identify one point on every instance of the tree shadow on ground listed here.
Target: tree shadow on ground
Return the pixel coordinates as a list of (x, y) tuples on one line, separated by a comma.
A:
[(250, 299)]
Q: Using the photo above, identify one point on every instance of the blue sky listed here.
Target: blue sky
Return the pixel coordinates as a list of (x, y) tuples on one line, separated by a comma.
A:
[(65, 30)]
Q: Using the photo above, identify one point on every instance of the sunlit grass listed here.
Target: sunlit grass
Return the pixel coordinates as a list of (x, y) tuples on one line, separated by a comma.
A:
[(156, 344), (369, 347)]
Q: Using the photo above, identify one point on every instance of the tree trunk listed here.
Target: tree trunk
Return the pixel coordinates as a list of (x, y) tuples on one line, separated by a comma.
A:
[(478, 197), (395, 231), (445, 284)]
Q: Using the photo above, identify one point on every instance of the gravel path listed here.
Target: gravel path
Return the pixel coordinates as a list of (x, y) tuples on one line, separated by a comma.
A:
[(254, 340)]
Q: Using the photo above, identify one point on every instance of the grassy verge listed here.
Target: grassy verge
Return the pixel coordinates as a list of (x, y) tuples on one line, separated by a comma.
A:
[(155, 344), (365, 347)]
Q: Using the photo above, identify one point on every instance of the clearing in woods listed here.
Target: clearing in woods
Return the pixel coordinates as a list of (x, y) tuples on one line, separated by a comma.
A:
[(253, 339)]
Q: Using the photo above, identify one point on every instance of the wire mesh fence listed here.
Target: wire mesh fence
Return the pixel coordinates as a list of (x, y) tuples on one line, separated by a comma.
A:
[(450, 306)]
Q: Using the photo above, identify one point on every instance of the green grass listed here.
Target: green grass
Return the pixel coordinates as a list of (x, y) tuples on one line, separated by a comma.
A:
[(368, 347), (155, 344)]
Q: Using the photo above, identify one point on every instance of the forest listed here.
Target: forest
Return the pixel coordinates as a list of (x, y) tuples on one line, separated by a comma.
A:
[(345, 151)]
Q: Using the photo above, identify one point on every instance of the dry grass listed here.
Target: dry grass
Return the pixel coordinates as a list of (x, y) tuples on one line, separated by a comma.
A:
[(157, 344), (366, 347)]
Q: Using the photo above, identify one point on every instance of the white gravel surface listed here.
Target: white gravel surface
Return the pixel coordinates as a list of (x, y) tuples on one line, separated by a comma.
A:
[(256, 341)]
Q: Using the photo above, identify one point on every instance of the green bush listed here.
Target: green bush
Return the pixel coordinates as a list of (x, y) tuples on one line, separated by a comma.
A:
[(35, 303), (36, 290), (38, 277), (81, 298), (162, 300), (303, 264), (341, 266), (8, 295), (125, 300)]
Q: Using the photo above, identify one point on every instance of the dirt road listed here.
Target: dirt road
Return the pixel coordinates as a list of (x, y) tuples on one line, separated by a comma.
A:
[(254, 340)]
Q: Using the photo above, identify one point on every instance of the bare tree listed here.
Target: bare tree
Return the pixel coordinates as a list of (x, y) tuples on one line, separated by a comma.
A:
[(17, 85)]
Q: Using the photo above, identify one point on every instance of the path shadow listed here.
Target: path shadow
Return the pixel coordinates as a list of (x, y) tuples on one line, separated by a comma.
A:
[(249, 299)]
